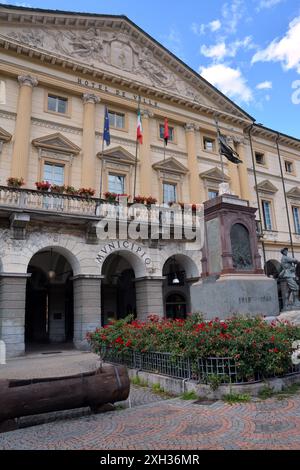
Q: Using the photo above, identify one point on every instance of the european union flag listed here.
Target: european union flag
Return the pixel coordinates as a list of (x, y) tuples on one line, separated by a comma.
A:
[(106, 133)]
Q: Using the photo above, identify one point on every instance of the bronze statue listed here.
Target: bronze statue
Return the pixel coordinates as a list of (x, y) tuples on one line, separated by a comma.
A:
[(288, 273)]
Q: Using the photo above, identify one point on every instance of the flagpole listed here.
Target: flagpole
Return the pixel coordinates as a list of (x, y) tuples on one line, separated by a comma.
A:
[(136, 154), (101, 174), (219, 148)]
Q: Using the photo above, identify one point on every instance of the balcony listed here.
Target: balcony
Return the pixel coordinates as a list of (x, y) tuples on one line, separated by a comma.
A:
[(46, 206)]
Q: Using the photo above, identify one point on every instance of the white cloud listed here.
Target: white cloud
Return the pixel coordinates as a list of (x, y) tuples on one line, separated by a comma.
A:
[(267, 85), (200, 29), (232, 13), (215, 25), (221, 50), (265, 4), (228, 80), (216, 51), (285, 50)]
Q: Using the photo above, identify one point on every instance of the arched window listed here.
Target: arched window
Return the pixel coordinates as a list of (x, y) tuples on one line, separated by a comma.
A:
[(240, 247)]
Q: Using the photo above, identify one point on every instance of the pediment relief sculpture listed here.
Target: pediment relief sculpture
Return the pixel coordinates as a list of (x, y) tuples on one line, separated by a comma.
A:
[(98, 48)]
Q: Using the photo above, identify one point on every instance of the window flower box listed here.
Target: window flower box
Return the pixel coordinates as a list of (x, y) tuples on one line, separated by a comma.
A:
[(86, 192), (55, 188), (110, 197), (15, 182), (43, 185)]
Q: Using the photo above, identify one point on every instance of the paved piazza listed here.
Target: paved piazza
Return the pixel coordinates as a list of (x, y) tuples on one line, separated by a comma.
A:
[(154, 422)]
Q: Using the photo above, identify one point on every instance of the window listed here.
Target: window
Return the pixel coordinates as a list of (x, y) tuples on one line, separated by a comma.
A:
[(57, 104), (162, 130), (169, 192), (212, 193), (54, 173), (289, 167), (116, 184), (116, 120), (259, 158), (209, 144), (296, 215), (266, 206)]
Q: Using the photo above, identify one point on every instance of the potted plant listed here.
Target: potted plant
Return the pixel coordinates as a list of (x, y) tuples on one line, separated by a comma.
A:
[(139, 199), (43, 185), (56, 188), (110, 197), (71, 191), (86, 192), (15, 182), (150, 200)]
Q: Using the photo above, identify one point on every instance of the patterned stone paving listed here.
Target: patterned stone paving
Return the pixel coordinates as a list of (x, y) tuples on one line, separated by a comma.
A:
[(171, 424), (154, 423)]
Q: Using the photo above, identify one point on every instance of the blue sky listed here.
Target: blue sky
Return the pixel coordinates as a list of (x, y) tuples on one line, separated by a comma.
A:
[(249, 49)]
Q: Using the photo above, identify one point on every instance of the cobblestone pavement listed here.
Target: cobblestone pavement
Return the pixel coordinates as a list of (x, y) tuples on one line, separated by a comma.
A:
[(171, 424), (152, 422)]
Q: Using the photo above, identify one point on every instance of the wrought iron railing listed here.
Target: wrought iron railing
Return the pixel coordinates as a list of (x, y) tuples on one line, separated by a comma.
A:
[(223, 370)]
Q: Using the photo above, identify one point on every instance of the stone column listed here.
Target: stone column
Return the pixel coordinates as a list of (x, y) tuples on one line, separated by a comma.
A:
[(88, 169), (243, 172), (233, 173), (20, 153), (149, 297), (195, 182), (12, 312), (87, 307), (145, 159)]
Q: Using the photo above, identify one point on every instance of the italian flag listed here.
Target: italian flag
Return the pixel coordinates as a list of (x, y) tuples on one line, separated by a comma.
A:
[(139, 129)]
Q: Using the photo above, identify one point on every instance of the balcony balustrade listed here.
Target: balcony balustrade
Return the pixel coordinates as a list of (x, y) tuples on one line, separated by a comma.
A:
[(44, 202)]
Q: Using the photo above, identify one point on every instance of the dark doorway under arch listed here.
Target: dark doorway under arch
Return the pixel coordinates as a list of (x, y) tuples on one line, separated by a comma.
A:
[(49, 314), (176, 306)]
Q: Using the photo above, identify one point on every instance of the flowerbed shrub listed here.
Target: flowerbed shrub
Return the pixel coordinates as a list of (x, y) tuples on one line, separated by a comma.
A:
[(260, 349)]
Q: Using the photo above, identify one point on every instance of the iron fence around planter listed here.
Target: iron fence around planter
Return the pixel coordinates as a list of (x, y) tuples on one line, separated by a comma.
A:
[(224, 370)]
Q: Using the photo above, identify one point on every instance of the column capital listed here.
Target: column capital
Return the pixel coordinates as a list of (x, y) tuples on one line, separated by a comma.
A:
[(27, 80), (146, 113), (190, 127), (90, 98)]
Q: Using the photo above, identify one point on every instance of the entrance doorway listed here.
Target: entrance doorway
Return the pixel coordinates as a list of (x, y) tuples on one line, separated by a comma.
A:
[(118, 296), (176, 306), (49, 299)]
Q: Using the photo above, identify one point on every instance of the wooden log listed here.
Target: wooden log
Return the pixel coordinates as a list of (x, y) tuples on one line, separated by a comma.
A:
[(42, 395)]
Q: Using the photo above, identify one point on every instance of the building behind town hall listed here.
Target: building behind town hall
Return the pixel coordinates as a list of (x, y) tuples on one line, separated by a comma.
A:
[(58, 72)]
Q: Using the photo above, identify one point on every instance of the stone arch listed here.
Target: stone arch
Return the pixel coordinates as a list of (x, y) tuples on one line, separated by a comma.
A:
[(188, 263), (139, 266)]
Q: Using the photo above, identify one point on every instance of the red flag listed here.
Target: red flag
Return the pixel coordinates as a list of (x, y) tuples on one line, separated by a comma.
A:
[(139, 129), (166, 131)]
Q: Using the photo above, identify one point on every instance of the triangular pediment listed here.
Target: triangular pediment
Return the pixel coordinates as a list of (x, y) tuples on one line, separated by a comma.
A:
[(267, 187), (56, 142), (214, 174), (118, 154), (4, 135), (170, 165), (294, 193), (112, 44)]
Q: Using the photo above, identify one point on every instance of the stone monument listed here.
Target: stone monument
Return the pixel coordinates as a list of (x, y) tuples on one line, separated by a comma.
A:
[(232, 281), (288, 283)]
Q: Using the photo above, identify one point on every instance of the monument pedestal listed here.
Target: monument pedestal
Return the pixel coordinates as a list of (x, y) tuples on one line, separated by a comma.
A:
[(232, 280)]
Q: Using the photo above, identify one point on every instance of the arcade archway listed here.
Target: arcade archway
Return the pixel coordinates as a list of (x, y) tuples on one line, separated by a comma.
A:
[(118, 293), (49, 314)]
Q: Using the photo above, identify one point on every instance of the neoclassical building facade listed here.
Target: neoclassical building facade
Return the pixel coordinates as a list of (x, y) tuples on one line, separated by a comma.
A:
[(58, 73)]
